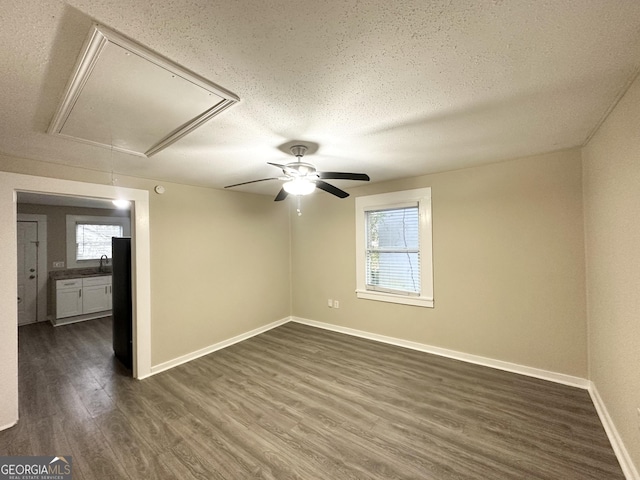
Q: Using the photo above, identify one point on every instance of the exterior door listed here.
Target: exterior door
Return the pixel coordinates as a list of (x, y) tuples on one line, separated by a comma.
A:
[(27, 272)]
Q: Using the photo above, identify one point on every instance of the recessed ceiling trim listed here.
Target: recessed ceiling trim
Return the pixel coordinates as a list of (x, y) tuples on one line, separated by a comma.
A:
[(189, 127), (207, 95), (84, 66)]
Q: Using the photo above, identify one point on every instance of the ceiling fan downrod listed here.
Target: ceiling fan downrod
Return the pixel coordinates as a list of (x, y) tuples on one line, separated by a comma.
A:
[(298, 151)]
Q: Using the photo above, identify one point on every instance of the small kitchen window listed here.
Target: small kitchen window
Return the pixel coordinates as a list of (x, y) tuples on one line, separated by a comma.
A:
[(93, 240), (89, 238)]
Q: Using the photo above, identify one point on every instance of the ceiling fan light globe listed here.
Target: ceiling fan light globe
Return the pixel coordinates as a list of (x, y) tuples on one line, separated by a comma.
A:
[(299, 186)]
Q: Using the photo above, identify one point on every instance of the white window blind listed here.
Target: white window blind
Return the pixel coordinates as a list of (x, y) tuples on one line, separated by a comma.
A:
[(393, 250), (94, 240)]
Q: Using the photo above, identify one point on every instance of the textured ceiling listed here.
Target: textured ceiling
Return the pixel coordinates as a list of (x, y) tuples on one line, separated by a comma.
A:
[(393, 89)]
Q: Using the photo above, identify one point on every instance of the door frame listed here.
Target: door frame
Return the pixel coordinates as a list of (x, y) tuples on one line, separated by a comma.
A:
[(43, 274), (10, 184)]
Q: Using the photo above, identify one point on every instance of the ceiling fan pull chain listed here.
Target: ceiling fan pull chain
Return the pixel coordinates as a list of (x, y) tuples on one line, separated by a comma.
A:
[(298, 209)]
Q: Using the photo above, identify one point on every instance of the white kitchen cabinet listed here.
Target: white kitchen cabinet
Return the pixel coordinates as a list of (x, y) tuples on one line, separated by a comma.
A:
[(96, 294), (68, 298), (83, 298)]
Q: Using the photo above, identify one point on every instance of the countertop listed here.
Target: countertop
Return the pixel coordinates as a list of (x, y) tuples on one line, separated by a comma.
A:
[(78, 273)]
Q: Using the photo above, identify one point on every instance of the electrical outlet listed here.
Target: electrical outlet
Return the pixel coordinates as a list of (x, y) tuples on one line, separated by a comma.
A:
[(58, 264), (336, 304), (330, 303)]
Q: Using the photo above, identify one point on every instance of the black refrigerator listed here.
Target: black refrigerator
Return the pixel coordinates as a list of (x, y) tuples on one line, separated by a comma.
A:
[(122, 304)]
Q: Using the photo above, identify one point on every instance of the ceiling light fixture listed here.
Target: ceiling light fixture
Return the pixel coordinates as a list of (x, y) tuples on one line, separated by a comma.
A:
[(302, 178), (299, 186), (121, 203)]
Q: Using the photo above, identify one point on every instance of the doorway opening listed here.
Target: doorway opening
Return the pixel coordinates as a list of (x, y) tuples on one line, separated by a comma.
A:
[(68, 275), (10, 185), (76, 267)]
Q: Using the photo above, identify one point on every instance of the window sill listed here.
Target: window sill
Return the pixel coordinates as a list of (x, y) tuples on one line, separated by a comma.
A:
[(394, 298)]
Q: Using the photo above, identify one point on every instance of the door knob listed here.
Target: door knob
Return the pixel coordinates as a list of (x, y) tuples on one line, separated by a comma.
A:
[(32, 270), (19, 299), (32, 276)]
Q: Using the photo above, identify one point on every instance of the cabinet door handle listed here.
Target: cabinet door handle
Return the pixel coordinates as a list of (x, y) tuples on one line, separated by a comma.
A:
[(80, 293)]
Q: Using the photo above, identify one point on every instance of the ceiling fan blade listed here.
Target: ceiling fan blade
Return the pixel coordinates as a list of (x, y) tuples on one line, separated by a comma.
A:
[(252, 181), (282, 194), (344, 176), (327, 187), (276, 164)]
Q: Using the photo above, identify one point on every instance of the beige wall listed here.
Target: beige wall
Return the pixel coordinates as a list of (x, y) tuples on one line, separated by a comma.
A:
[(220, 267), (57, 226), (219, 259), (612, 220), (509, 269)]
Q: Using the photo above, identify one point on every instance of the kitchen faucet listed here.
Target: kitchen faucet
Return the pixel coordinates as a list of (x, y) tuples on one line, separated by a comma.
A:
[(106, 262)]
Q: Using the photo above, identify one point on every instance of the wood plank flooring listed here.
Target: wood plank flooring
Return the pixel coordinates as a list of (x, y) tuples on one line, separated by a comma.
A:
[(297, 403)]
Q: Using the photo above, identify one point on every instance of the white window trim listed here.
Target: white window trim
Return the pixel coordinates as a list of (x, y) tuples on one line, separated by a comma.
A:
[(390, 200), (72, 220)]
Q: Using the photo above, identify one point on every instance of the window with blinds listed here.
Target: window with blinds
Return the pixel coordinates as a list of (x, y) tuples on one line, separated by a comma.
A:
[(94, 240), (393, 250), (394, 247)]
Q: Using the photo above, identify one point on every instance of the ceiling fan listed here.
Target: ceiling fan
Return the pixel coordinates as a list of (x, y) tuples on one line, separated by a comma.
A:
[(302, 178)]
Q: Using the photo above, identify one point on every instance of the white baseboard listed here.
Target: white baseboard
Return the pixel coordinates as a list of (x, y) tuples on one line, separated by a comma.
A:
[(59, 322), (628, 468), (9, 425), (216, 346), (443, 352), (465, 357)]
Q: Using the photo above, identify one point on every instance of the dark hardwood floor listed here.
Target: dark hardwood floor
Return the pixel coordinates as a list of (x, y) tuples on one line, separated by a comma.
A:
[(297, 402)]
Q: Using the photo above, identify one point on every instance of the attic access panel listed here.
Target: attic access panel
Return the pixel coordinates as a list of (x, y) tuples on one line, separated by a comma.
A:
[(125, 97)]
